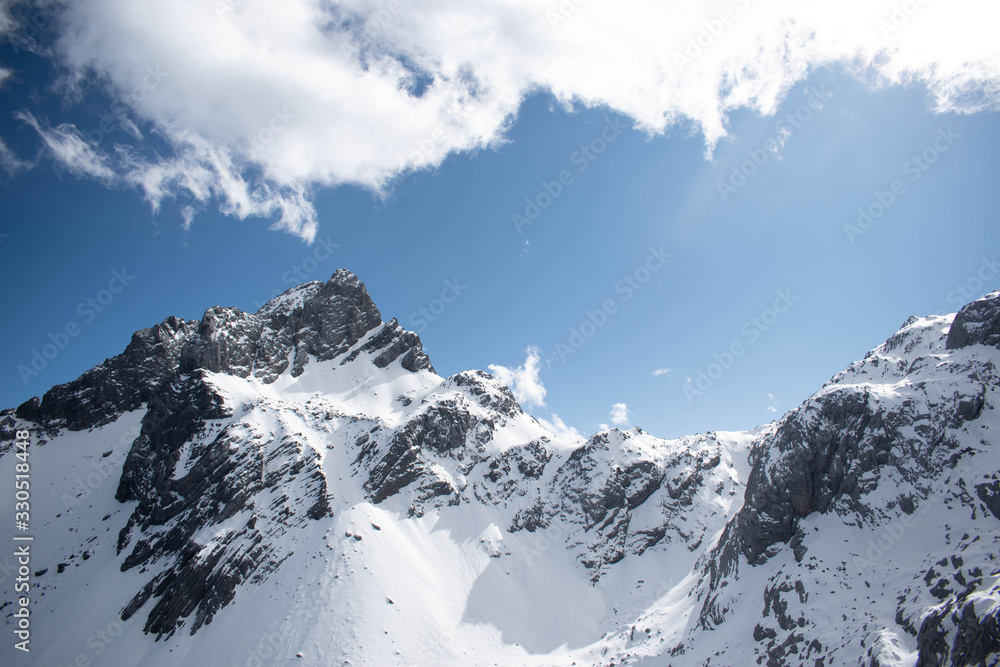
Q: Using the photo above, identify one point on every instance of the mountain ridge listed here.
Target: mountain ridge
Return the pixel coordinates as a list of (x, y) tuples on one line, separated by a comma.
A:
[(258, 439)]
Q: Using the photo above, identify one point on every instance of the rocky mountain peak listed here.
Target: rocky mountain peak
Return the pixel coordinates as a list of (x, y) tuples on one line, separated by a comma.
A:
[(311, 322)]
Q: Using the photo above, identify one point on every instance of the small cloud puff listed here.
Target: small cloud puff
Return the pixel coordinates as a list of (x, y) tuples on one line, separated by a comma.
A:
[(523, 380), (619, 414)]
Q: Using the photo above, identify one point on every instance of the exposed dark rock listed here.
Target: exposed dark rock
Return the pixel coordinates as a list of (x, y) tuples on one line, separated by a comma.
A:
[(508, 470), (972, 641), (442, 429), (976, 639), (978, 323), (530, 519), (989, 493), (478, 384), (393, 342)]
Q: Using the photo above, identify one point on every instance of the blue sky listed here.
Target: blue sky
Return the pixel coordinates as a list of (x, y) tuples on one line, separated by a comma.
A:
[(658, 258)]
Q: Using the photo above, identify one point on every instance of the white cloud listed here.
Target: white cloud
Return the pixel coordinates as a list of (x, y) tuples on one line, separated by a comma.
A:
[(561, 430), (4, 75), (771, 407), (523, 380), (205, 172), (619, 414), (663, 371), (266, 101), (187, 217), (72, 150)]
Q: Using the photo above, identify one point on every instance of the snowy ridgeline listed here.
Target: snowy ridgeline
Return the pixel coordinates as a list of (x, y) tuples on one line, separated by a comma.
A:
[(298, 486)]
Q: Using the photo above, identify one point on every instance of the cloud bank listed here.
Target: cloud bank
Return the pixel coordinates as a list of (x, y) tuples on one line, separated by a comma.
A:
[(260, 103)]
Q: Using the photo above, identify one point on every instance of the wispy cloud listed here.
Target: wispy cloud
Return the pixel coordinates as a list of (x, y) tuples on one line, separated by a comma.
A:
[(371, 94), (6, 24), (771, 407), (523, 380), (187, 217), (663, 371), (71, 150), (202, 171), (9, 162)]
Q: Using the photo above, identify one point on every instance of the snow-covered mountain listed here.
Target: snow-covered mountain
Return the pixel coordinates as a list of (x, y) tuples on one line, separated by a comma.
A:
[(298, 486)]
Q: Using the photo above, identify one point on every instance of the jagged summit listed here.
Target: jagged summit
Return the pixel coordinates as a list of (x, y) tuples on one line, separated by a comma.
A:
[(314, 321), (343, 288)]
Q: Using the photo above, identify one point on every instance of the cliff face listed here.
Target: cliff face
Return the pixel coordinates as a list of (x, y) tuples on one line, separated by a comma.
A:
[(907, 429)]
